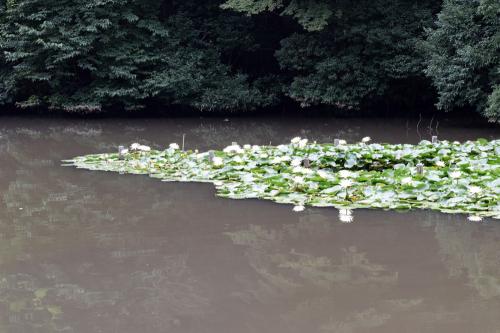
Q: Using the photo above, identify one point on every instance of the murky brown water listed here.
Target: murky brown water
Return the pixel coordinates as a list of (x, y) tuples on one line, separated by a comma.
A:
[(85, 251)]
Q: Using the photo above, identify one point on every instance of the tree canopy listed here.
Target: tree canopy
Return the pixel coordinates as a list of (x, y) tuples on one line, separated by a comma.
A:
[(99, 53), (238, 55), (464, 56)]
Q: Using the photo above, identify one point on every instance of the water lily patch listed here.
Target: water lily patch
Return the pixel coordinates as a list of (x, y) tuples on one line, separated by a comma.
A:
[(451, 177)]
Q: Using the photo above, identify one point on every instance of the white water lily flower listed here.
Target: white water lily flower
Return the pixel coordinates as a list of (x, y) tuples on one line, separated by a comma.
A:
[(302, 170), (237, 159), (440, 164), (247, 146), (295, 140), (233, 149), (342, 142), (345, 215), (296, 162), (345, 173), (475, 189), (407, 181), (134, 146), (474, 218), (174, 146), (263, 156), (217, 161), (455, 174), (123, 151), (143, 148), (298, 208), (302, 143), (366, 139), (285, 158), (345, 183), (307, 171), (276, 160), (298, 180)]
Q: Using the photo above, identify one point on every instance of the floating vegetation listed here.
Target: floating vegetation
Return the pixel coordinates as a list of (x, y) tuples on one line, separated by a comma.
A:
[(451, 177)]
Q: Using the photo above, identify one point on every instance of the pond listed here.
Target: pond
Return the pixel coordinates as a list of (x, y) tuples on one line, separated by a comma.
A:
[(88, 251)]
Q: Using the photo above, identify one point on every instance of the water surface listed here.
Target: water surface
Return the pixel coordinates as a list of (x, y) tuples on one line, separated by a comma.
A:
[(84, 251)]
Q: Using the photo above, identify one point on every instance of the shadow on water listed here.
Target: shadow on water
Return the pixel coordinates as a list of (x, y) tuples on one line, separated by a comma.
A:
[(85, 251)]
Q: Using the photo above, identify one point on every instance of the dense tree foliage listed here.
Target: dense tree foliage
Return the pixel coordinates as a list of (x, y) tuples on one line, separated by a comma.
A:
[(88, 55), (247, 54), (464, 55), (357, 57)]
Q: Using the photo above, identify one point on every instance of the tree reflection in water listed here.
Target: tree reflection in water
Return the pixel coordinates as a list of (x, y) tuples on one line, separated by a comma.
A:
[(348, 293)]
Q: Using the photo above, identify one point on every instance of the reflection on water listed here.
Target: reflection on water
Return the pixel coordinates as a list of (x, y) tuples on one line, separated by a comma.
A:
[(88, 251), (346, 215)]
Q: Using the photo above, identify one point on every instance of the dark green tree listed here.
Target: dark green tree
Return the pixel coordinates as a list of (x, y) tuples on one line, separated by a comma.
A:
[(86, 56), (367, 48), (464, 56)]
